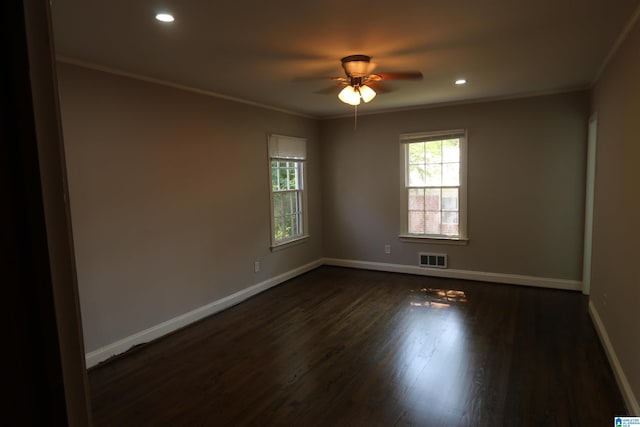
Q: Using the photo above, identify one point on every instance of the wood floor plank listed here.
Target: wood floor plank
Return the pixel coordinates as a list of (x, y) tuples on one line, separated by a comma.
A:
[(339, 346)]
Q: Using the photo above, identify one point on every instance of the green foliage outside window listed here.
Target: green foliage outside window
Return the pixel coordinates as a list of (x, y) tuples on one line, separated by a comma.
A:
[(434, 163)]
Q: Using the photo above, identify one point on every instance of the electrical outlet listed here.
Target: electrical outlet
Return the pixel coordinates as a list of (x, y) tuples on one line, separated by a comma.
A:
[(387, 249), (256, 266)]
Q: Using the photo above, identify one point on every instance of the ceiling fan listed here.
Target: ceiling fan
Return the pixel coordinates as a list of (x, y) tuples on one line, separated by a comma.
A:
[(360, 83)]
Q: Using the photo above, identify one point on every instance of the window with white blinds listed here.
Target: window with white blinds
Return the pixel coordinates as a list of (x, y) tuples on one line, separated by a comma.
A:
[(287, 156), (434, 184)]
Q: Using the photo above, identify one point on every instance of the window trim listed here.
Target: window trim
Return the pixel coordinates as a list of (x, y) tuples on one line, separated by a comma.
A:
[(299, 156), (407, 138)]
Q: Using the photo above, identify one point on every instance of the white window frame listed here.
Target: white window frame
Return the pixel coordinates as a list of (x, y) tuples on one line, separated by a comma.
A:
[(288, 149), (405, 140)]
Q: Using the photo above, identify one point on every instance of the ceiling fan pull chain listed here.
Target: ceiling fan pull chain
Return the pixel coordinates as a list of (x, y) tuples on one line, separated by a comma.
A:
[(355, 117)]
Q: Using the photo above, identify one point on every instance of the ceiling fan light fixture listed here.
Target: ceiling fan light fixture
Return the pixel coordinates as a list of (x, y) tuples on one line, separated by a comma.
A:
[(349, 95), (366, 93)]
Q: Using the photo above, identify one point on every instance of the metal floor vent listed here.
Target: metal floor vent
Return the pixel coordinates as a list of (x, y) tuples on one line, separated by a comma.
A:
[(432, 260)]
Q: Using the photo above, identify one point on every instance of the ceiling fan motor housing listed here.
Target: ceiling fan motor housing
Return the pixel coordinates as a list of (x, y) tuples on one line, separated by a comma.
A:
[(357, 65)]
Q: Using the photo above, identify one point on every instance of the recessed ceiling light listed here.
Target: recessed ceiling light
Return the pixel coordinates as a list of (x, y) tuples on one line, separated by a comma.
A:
[(460, 81), (164, 17)]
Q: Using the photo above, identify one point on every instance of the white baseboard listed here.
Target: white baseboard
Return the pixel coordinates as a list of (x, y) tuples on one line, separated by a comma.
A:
[(627, 393), (512, 279), (157, 331)]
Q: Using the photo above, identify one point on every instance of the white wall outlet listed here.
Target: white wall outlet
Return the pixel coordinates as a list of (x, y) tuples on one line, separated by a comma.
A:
[(256, 266), (387, 249)]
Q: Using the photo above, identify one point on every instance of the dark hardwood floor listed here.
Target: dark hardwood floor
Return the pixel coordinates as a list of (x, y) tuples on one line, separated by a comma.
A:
[(343, 347)]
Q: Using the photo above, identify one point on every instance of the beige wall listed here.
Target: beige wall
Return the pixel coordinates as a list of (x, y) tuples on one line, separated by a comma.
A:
[(616, 100), (169, 199), (526, 171), (169, 193)]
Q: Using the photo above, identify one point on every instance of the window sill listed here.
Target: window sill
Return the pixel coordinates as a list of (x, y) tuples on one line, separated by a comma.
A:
[(412, 238), (288, 243)]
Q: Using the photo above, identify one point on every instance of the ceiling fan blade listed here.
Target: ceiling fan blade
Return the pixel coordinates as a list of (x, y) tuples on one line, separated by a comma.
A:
[(316, 78), (406, 75), (335, 88), (379, 87)]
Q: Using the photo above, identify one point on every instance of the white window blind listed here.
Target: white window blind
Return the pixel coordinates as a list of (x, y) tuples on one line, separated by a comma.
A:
[(287, 147), (432, 136)]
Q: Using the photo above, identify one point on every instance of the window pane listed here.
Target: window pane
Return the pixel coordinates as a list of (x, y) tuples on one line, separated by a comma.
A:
[(284, 202), (293, 202), (287, 226), (416, 199), (294, 225), (416, 153), (277, 205), (279, 228), (450, 199), (451, 150), (449, 217), (291, 178), (433, 175), (451, 174), (451, 229), (432, 223), (297, 202), (274, 175), (292, 184), (287, 213), (450, 223), (433, 151), (282, 178), (295, 206), (296, 181), (416, 222), (417, 175), (432, 199), (290, 203)]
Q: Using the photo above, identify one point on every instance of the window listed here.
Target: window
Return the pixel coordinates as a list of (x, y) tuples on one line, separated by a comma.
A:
[(434, 185), (287, 157)]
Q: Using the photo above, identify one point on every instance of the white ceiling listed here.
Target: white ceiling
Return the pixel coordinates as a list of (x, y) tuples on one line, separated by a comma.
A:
[(258, 50)]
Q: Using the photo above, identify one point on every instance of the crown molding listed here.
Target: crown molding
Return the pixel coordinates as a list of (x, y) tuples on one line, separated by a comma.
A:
[(616, 45), (122, 73)]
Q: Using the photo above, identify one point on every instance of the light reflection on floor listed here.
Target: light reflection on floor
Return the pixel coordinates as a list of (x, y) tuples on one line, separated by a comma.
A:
[(433, 371), (438, 298)]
